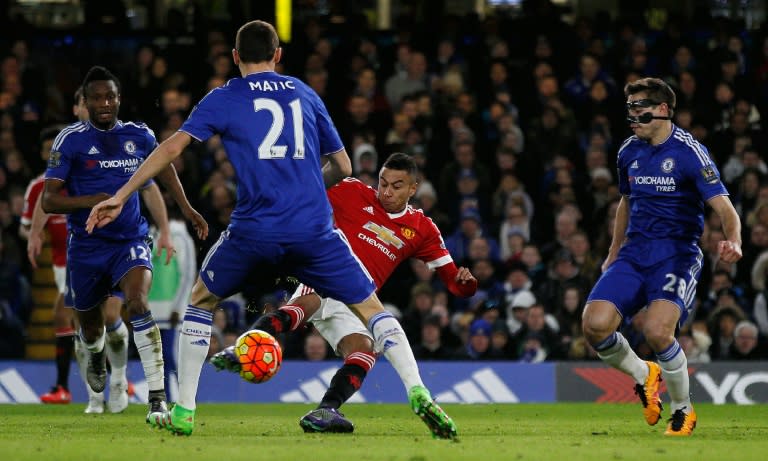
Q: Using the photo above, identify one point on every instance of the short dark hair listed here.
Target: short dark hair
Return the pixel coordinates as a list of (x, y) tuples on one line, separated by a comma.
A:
[(655, 88), (402, 162), (256, 41), (98, 73)]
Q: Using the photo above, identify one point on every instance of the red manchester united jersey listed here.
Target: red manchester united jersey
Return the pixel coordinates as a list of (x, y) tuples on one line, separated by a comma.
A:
[(382, 240), (56, 225)]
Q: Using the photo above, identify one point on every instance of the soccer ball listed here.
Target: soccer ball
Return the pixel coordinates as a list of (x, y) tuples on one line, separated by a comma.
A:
[(259, 354)]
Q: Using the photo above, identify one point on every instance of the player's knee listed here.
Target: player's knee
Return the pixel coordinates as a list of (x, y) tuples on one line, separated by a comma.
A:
[(91, 332), (136, 304), (599, 321), (202, 298), (658, 335), (355, 342)]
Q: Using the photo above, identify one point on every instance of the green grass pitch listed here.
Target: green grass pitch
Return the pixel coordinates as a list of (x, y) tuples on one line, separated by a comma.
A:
[(267, 432)]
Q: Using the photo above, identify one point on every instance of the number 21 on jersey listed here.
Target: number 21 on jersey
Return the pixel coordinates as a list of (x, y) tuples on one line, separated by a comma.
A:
[(268, 149)]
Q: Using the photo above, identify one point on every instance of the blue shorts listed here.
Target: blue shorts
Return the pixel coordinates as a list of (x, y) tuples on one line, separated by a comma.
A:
[(94, 268), (325, 263), (650, 270)]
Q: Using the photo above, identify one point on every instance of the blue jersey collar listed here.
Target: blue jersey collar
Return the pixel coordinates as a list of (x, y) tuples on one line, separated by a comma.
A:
[(118, 124)]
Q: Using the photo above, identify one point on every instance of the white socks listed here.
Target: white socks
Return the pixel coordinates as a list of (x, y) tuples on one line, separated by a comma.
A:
[(81, 355), (194, 342), (674, 371), (390, 339), (117, 351), (96, 346), (146, 335), (616, 352)]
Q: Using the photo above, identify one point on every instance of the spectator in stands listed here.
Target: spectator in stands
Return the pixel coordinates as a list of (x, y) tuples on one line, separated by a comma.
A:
[(415, 78), (464, 162), (478, 342), (431, 346), (568, 315), (537, 340), (722, 324), (470, 227), (517, 310), (747, 344), (316, 348), (15, 306), (516, 220), (420, 306)]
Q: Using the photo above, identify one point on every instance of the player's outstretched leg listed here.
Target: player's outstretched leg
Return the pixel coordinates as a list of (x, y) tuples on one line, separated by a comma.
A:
[(391, 340), (681, 423), (287, 318), (439, 423), (347, 380), (649, 394), (226, 360), (326, 420)]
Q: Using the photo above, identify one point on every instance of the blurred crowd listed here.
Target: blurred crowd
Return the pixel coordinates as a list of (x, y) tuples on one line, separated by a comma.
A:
[(514, 121)]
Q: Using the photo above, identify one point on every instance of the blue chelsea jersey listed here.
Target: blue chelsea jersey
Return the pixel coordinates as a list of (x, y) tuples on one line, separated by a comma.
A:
[(667, 186), (91, 161), (275, 129)]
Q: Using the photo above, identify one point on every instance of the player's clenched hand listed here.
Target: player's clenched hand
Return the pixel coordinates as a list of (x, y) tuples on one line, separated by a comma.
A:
[(729, 252), (198, 222), (464, 276), (103, 213), (164, 242), (34, 245)]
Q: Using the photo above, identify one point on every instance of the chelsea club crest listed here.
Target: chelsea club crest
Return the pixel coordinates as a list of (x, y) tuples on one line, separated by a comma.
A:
[(668, 165), (129, 147)]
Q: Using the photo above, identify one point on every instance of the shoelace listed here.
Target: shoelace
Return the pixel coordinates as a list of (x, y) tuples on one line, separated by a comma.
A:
[(640, 391), (329, 411), (156, 406), (678, 419), (99, 365)]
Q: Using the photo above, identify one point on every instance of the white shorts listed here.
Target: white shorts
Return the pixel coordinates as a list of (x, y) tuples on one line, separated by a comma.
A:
[(60, 276), (334, 320)]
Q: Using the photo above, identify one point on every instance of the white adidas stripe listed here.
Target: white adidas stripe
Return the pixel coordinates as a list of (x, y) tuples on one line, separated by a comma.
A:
[(485, 386), (76, 128), (688, 140)]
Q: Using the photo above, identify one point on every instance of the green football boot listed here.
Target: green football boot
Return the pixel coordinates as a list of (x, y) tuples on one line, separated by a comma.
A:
[(439, 423), (182, 421)]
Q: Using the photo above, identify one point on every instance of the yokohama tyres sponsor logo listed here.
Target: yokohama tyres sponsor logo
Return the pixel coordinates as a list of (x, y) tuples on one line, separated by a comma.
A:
[(615, 385), (654, 180), (720, 382), (120, 163)]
